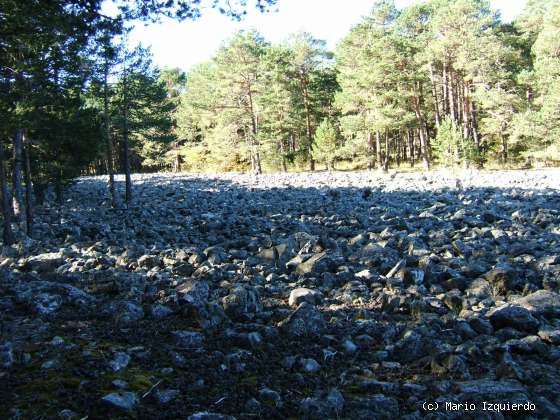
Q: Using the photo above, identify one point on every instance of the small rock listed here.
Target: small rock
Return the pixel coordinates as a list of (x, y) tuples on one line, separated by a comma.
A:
[(188, 339), (310, 365), (165, 396), (349, 347), (303, 294), (119, 383), (57, 341), (119, 362), (6, 355), (123, 400), (270, 397)]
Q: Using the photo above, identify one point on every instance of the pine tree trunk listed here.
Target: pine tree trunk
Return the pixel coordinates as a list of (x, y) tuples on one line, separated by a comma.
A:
[(452, 109), (422, 129), (128, 178), (445, 88), (255, 158), (177, 163), (398, 149), (28, 186), (108, 138), (18, 202), (378, 148), (283, 153), (386, 157), (435, 95), (7, 234), (476, 135), (308, 133), (411, 147), (370, 144), (504, 151)]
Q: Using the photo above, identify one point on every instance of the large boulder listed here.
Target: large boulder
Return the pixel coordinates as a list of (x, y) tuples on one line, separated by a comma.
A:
[(194, 292), (318, 263), (541, 303), (513, 316)]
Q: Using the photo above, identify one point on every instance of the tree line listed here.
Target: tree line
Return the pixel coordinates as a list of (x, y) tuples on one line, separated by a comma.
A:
[(442, 82)]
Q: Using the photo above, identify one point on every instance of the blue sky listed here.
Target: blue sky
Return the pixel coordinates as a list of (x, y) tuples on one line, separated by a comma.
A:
[(187, 43)]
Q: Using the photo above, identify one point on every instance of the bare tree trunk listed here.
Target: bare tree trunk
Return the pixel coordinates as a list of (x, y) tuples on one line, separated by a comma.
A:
[(7, 234), (127, 176), (177, 163), (452, 109), (28, 186), (445, 88), (422, 129), (435, 95), (18, 203), (255, 157), (398, 149), (378, 148), (309, 134), (475, 133), (504, 151), (411, 147), (108, 138), (370, 145), (386, 157), (283, 153)]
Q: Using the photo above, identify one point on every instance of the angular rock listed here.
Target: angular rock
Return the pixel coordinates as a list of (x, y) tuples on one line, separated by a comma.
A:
[(318, 263), (302, 294), (165, 396), (194, 292), (513, 316), (305, 321), (124, 400), (242, 303), (119, 362), (43, 263), (541, 303)]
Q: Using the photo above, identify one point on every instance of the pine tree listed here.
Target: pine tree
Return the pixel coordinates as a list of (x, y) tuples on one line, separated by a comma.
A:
[(326, 144)]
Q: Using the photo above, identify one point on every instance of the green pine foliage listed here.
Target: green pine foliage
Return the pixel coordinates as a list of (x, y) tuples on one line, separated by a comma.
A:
[(325, 149)]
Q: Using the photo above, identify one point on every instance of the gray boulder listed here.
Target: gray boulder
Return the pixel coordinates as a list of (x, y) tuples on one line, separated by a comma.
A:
[(513, 316)]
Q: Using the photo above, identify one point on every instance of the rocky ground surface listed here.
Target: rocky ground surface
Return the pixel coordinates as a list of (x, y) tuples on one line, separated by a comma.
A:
[(343, 295)]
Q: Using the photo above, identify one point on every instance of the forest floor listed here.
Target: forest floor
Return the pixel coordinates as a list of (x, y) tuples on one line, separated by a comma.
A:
[(349, 295)]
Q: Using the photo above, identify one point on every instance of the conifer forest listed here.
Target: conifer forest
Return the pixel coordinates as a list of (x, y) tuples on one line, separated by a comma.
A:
[(285, 230)]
